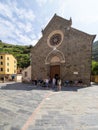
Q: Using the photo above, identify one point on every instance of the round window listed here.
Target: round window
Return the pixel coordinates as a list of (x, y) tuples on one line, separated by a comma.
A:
[(55, 38)]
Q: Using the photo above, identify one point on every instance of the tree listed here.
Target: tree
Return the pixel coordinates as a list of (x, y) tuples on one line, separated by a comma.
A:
[(94, 68)]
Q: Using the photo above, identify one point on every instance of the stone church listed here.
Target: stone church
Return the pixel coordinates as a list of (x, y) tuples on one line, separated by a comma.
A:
[(62, 51)]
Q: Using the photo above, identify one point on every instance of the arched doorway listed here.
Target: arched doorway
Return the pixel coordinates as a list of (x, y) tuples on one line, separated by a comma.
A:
[(55, 67), (54, 60)]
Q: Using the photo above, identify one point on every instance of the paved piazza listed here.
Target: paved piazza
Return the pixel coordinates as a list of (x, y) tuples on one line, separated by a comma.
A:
[(26, 107)]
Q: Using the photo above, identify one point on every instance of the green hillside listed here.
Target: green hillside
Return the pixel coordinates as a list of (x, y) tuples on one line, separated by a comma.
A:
[(21, 53), (95, 51)]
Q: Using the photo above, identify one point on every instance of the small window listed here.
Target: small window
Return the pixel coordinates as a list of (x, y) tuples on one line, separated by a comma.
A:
[(7, 64), (7, 58), (1, 63), (25, 74), (1, 57), (1, 69), (7, 70)]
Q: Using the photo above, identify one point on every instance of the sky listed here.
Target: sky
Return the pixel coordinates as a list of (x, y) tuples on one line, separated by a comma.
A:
[(21, 21)]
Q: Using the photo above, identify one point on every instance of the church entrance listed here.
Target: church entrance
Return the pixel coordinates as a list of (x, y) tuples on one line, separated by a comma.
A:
[(54, 71)]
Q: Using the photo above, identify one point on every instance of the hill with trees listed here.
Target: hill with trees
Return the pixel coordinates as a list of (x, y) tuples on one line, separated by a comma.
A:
[(95, 58), (95, 51), (21, 53)]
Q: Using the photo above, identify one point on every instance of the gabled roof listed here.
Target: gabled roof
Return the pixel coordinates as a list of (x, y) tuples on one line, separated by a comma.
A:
[(65, 23), (56, 18)]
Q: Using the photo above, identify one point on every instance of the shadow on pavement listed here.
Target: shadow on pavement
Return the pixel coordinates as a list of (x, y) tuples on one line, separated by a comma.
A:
[(29, 87), (16, 86)]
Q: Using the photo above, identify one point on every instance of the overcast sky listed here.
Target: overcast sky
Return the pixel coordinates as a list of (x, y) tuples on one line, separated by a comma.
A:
[(21, 21)]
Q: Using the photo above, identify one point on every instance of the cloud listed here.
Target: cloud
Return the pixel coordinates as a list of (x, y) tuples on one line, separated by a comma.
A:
[(43, 2), (82, 11), (26, 14), (16, 23), (5, 10), (21, 23)]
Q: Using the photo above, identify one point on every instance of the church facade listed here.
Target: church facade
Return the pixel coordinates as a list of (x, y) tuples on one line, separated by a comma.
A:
[(62, 51)]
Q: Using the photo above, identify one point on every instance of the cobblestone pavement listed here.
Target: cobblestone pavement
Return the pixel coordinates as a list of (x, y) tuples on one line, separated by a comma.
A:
[(25, 107)]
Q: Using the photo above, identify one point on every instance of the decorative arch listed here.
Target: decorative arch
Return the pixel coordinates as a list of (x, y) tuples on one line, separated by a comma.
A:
[(55, 56), (55, 59)]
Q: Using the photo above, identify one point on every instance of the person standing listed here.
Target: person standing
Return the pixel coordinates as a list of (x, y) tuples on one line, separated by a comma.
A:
[(53, 82), (47, 82), (59, 82)]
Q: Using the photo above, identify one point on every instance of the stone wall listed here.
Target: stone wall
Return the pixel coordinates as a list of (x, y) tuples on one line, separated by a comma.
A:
[(76, 47)]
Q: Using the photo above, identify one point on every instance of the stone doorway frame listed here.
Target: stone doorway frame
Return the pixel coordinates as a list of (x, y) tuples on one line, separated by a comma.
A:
[(55, 57), (55, 53)]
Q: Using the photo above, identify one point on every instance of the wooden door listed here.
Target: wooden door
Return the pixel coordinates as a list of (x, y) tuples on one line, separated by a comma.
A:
[(54, 71)]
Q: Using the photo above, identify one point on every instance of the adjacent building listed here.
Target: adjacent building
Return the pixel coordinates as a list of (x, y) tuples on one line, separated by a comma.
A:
[(62, 51), (26, 74), (8, 66)]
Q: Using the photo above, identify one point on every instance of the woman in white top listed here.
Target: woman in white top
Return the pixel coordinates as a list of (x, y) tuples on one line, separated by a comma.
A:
[(53, 82), (59, 82)]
